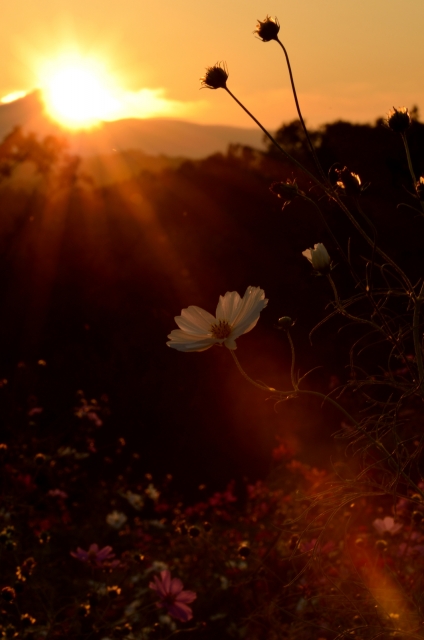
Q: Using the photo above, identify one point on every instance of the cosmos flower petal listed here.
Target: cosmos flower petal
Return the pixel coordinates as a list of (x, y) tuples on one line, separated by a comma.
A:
[(186, 596), (228, 307), (195, 320), (176, 586), (252, 304), (166, 580), (158, 587), (182, 341), (105, 553), (180, 611)]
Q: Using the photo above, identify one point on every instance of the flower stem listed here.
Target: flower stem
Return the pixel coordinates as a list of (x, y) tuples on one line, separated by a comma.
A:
[(410, 167), (274, 142), (299, 113), (325, 398), (417, 340), (293, 360)]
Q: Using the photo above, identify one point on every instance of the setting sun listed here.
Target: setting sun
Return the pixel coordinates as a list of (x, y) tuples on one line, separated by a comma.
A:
[(79, 94)]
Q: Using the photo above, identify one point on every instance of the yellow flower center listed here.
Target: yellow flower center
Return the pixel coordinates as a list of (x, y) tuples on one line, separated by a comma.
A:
[(221, 330)]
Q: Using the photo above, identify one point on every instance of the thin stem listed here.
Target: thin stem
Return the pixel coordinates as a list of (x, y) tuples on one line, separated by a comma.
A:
[(408, 157), (366, 237), (262, 387), (375, 234), (345, 313), (325, 398), (328, 190), (293, 360), (299, 113), (274, 142), (410, 167), (417, 340)]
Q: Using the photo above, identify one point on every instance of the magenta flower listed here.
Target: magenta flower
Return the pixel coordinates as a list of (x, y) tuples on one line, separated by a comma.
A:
[(96, 557), (172, 596)]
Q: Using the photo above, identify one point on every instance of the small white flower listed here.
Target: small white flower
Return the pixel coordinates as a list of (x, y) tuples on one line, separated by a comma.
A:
[(386, 525), (116, 519), (319, 258), (199, 330)]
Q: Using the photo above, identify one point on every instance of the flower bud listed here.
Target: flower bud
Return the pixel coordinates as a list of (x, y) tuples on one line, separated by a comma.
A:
[(319, 258), (349, 182), (8, 594), (83, 609), (417, 516), (27, 620), (215, 77), (294, 540), (381, 545), (267, 29), (285, 323), (399, 119), (285, 190), (39, 459)]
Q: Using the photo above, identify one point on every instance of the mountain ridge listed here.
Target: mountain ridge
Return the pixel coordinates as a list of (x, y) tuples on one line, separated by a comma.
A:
[(152, 136)]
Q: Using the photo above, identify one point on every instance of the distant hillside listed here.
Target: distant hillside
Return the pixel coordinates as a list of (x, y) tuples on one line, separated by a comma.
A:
[(155, 136)]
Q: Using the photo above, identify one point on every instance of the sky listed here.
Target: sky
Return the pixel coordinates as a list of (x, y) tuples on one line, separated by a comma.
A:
[(351, 60)]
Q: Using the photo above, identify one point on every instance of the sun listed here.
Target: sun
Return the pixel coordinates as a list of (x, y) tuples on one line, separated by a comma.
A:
[(78, 93)]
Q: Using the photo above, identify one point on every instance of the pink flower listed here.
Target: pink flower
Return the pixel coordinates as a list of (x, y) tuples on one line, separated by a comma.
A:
[(35, 410), (57, 493), (172, 596), (387, 525), (97, 557)]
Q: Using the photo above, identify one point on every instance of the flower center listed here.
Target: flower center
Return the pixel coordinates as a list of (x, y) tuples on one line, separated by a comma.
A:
[(221, 330)]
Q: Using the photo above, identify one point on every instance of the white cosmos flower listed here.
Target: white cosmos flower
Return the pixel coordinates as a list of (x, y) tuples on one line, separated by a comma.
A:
[(199, 330), (319, 258)]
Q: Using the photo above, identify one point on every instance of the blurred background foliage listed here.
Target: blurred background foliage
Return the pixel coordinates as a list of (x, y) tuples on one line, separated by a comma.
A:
[(93, 273)]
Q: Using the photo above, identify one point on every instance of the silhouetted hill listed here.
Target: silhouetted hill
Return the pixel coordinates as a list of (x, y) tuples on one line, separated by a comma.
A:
[(153, 136)]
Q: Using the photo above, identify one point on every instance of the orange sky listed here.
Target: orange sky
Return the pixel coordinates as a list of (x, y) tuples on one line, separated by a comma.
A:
[(353, 60)]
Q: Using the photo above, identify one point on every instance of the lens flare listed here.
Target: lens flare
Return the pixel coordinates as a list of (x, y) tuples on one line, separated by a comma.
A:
[(78, 93)]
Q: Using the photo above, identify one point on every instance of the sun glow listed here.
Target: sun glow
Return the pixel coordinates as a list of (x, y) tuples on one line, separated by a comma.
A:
[(78, 93)]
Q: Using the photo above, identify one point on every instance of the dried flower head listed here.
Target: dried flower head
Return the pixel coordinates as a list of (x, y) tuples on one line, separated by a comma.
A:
[(27, 620), (267, 29), (287, 191), (348, 181), (215, 77), (8, 594), (399, 119), (419, 188)]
